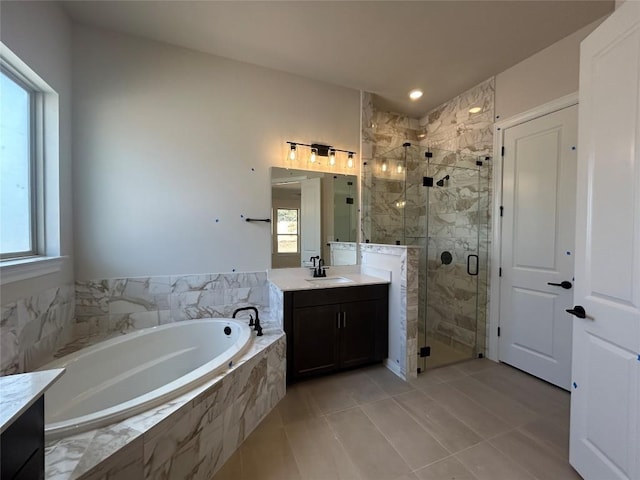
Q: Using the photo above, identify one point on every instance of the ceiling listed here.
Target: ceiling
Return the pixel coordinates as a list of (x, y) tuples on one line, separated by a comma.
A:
[(384, 47)]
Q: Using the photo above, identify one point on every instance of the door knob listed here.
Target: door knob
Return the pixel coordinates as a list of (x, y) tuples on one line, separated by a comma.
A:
[(578, 311), (564, 284)]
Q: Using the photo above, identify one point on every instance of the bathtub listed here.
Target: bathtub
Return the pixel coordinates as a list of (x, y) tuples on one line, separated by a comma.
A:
[(121, 377)]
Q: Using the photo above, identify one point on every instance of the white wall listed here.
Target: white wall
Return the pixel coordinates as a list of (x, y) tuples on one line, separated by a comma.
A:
[(545, 76), (168, 140), (39, 33)]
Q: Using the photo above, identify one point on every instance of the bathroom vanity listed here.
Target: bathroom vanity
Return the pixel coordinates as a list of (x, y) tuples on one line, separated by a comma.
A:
[(22, 423), (335, 328), (333, 324)]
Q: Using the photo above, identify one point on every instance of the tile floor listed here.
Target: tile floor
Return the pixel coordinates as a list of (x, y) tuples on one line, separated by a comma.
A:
[(477, 420)]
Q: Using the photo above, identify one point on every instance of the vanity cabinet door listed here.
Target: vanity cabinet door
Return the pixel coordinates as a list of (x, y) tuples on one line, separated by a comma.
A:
[(357, 333), (315, 337)]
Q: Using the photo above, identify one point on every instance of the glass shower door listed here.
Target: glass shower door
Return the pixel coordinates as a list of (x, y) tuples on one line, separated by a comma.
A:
[(448, 326)]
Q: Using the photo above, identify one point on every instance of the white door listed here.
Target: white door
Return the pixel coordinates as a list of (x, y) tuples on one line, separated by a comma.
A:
[(605, 398), (310, 219), (538, 230)]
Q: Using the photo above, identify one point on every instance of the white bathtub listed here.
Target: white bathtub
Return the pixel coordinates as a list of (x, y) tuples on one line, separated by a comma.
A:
[(115, 379)]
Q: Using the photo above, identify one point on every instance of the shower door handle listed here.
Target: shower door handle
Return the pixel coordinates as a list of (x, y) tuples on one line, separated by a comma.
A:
[(469, 272)]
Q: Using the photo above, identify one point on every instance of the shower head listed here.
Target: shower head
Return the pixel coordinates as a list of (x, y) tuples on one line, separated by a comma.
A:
[(440, 182)]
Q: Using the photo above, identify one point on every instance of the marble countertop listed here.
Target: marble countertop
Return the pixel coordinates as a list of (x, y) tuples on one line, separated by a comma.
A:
[(290, 279), (18, 392)]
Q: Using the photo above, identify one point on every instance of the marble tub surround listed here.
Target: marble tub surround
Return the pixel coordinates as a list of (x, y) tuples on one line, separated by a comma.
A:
[(104, 307), (32, 329), (21, 390), (289, 279), (403, 263), (189, 437)]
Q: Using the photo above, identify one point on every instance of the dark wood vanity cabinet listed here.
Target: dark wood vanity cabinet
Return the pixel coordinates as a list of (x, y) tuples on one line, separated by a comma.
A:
[(335, 328), (22, 445)]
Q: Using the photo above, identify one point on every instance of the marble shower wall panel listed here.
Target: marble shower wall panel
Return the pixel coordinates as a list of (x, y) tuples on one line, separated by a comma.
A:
[(451, 127), (457, 215), (32, 329), (383, 132), (105, 307)]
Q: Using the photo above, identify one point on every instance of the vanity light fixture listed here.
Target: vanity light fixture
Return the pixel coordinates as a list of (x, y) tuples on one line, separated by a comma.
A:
[(320, 150), (399, 167), (384, 166), (415, 94)]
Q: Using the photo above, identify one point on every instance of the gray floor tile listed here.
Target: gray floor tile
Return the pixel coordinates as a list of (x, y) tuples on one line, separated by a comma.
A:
[(388, 381), (447, 469), (481, 420), (438, 421), (416, 446), (534, 457), (318, 452), (503, 406), (372, 454), (486, 462), (367, 424)]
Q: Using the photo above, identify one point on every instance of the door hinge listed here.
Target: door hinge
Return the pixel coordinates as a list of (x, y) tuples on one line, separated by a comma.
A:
[(502, 151), (425, 352), (498, 331), (500, 271), (501, 210)]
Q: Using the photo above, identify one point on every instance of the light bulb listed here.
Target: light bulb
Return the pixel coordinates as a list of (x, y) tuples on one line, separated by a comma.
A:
[(399, 167), (312, 158), (292, 152), (350, 160), (332, 157), (384, 166), (415, 94)]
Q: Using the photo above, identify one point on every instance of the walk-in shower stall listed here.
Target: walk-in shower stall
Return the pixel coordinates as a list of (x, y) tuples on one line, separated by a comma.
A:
[(438, 201)]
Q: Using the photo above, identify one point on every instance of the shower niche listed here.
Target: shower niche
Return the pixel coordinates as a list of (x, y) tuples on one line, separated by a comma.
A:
[(437, 200)]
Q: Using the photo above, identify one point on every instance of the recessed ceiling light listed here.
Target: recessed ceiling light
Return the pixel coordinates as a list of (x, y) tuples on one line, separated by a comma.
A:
[(415, 94), (475, 109)]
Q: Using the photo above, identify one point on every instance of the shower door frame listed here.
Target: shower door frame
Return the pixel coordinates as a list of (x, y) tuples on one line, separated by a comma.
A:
[(425, 338)]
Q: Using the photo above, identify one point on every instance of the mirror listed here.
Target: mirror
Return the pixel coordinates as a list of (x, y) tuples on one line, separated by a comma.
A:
[(314, 213)]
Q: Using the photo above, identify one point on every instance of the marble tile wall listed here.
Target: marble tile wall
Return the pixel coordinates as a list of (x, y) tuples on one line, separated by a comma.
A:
[(451, 127), (188, 437), (104, 307), (383, 134), (32, 329), (402, 262)]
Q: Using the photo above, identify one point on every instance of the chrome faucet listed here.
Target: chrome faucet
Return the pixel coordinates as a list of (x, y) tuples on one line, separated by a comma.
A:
[(256, 325)]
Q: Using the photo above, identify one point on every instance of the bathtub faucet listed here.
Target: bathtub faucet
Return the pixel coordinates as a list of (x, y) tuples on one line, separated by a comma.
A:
[(255, 324)]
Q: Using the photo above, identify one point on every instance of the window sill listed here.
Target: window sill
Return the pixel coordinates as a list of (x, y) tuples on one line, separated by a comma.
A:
[(25, 268)]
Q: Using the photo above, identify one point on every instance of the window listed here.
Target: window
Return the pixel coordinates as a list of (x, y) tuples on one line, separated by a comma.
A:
[(287, 230), (29, 172), (18, 215)]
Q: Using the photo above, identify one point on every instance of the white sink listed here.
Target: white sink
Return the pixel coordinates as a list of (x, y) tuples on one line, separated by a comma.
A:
[(328, 280)]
